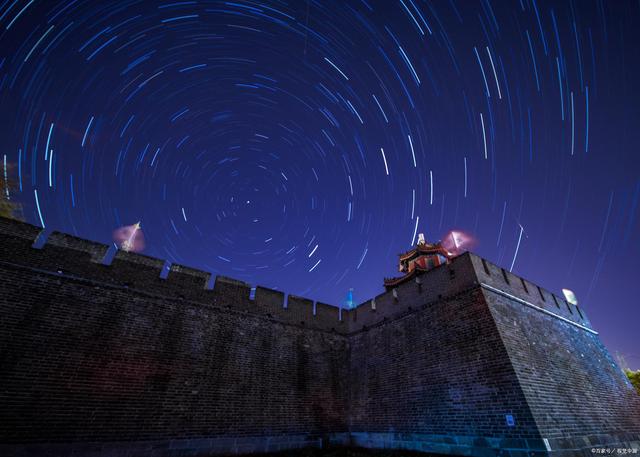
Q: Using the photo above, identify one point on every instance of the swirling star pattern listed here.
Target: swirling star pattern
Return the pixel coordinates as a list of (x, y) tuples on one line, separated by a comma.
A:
[(301, 145)]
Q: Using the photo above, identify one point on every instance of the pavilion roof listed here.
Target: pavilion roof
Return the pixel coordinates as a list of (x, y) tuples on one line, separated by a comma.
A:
[(426, 248)]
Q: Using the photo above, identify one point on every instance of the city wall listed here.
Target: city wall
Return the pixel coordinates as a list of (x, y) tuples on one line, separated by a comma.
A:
[(111, 359), (105, 352)]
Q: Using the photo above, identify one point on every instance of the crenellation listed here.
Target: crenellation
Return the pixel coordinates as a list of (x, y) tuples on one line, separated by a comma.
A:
[(109, 255), (435, 363), (300, 309), (16, 249), (137, 271), (188, 282), (19, 229), (193, 272), (526, 290), (362, 315), (435, 284), (366, 315), (566, 304), (54, 255), (327, 318), (142, 363), (583, 317), (166, 268), (139, 259), (233, 293), (68, 260), (41, 239), (97, 251), (271, 302)]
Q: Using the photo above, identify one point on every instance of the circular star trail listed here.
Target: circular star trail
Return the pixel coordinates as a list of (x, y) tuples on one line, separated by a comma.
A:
[(301, 145)]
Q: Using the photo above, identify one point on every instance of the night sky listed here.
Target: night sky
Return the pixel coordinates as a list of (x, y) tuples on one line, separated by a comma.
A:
[(301, 145)]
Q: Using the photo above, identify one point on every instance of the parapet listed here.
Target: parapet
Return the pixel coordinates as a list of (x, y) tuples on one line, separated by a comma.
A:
[(64, 254), (19, 229), (70, 256), (232, 293), (96, 251), (189, 280), (274, 304), (495, 279), (440, 282), (301, 309), (462, 273), (61, 252), (271, 302)]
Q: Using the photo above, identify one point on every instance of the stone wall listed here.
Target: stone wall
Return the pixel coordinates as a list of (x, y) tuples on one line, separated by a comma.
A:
[(485, 362), (438, 380), (578, 395), (576, 392), (110, 359), (102, 355)]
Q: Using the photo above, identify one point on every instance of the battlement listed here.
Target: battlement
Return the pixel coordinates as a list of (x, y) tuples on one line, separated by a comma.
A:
[(500, 281), (19, 229), (63, 254), (462, 273), (464, 358), (66, 254)]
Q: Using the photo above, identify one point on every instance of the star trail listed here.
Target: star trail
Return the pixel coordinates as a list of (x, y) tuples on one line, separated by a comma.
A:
[(301, 145)]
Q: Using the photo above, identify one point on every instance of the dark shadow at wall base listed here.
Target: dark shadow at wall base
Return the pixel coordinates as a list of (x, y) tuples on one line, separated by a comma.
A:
[(199, 448), (346, 452), (89, 451)]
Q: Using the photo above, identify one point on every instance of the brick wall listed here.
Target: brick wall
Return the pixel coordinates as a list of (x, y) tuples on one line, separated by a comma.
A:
[(105, 358), (438, 380), (94, 355), (578, 395)]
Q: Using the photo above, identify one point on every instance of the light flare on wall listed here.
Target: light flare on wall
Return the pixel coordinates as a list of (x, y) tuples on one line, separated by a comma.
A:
[(129, 238)]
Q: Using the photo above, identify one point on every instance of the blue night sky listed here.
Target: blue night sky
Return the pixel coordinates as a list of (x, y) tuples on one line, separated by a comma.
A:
[(301, 145)]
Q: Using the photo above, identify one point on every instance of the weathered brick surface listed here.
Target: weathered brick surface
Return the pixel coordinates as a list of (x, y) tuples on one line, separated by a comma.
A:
[(577, 393), (441, 371), (442, 281), (505, 281), (87, 362), (112, 360)]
